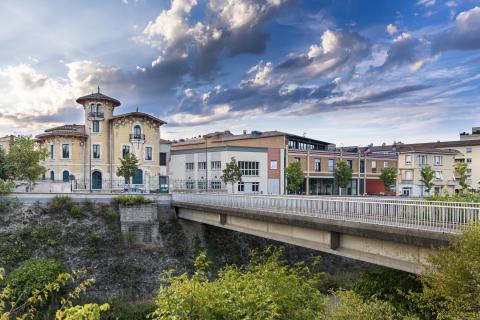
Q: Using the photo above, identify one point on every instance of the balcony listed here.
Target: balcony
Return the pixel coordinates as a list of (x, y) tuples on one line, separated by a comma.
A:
[(137, 137), (96, 115)]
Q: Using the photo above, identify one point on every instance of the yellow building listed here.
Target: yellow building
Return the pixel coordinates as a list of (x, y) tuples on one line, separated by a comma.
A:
[(88, 155)]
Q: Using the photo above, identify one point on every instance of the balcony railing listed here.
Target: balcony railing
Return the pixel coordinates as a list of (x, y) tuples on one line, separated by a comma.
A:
[(96, 114), (137, 136)]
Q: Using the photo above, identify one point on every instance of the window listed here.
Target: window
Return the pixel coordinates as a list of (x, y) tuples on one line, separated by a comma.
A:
[(422, 160), (189, 166), (52, 148), (96, 151), (273, 164), (437, 160), (65, 151), (469, 150), (96, 126), (296, 158), (148, 153), (374, 166), (216, 165), (216, 185), (362, 166), (255, 186), (190, 185), (385, 164), (318, 165), (407, 192), (408, 159), (137, 132), (408, 175), (202, 185), (331, 165), (469, 171), (125, 151), (52, 175), (469, 160), (437, 189), (241, 187), (438, 175), (163, 158), (350, 163), (202, 165), (43, 176), (249, 168)]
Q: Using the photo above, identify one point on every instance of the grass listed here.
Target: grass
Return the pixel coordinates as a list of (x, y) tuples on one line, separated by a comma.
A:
[(131, 200)]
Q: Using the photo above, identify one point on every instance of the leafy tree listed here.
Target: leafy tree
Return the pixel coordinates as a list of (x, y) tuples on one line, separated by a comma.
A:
[(461, 170), (3, 164), (295, 177), (388, 176), (427, 175), (128, 167), (343, 175), (23, 160), (54, 300), (6, 186), (232, 173), (267, 288), (450, 282)]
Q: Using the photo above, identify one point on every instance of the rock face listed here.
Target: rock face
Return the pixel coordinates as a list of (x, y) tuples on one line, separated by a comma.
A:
[(127, 264)]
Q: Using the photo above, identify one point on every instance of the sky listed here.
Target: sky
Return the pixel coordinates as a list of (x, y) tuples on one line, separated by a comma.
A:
[(347, 72)]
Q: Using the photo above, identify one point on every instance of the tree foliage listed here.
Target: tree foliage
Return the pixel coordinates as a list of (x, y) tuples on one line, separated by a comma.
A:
[(427, 174), (6, 186), (461, 170), (342, 174), (267, 288), (3, 164), (23, 160), (128, 167), (388, 176), (232, 173), (295, 177), (450, 283)]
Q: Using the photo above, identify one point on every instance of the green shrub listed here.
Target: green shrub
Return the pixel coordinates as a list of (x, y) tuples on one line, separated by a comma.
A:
[(33, 275), (76, 211), (60, 204), (130, 310), (111, 215), (466, 197), (12, 250), (130, 200), (129, 237), (45, 235)]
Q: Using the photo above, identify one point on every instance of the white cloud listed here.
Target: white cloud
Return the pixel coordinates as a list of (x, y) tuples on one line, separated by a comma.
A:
[(426, 3), (391, 29), (262, 77)]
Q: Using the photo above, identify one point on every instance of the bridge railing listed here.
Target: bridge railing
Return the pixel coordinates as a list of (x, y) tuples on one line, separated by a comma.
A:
[(413, 214)]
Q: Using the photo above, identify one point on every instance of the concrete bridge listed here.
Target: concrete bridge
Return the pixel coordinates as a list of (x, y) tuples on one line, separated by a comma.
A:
[(390, 232)]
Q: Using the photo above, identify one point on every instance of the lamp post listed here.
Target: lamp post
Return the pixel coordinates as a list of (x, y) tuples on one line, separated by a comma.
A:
[(206, 165)]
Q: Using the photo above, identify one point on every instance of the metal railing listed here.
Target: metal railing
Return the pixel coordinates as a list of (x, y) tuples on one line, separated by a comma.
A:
[(137, 136), (96, 114), (447, 217)]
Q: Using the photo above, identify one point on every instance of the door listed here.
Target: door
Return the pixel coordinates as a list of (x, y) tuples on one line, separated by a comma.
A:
[(66, 176), (163, 183), (97, 180), (138, 177)]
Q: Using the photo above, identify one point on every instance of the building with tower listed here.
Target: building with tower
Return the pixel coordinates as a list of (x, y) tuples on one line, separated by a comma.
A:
[(88, 155)]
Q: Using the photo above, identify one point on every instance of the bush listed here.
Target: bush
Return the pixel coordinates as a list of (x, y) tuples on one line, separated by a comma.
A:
[(129, 237), (466, 197), (267, 288), (111, 215), (33, 275), (130, 310), (12, 250), (60, 204), (76, 211), (130, 200)]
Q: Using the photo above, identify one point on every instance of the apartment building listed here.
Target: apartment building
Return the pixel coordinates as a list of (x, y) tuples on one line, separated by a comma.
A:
[(468, 151), (197, 163), (412, 159), (89, 154)]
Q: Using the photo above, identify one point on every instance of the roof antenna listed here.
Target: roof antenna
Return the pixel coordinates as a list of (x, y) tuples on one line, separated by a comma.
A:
[(137, 109), (98, 89)]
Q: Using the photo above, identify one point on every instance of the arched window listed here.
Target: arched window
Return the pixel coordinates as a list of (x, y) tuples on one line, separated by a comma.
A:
[(52, 175), (99, 109), (137, 132)]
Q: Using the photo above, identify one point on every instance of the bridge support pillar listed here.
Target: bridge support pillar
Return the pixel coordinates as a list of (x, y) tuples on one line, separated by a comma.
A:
[(223, 219), (334, 240)]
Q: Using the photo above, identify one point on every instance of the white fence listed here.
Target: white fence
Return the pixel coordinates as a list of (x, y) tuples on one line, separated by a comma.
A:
[(447, 217)]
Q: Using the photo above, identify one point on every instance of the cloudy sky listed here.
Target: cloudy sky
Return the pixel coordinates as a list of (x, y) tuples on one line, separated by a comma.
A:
[(349, 72)]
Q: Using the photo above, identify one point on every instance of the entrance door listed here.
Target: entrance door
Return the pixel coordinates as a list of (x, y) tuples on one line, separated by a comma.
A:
[(163, 183), (66, 176), (97, 180), (138, 177)]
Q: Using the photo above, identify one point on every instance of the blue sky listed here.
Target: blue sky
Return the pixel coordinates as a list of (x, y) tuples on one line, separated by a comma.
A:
[(348, 72)]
